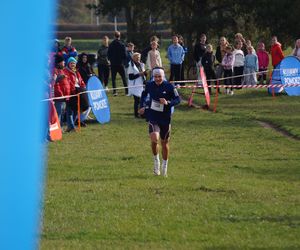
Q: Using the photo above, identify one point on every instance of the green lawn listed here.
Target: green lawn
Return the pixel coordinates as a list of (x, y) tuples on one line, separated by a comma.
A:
[(232, 184)]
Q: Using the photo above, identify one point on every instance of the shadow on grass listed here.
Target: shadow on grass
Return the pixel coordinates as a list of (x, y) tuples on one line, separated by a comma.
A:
[(217, 190), (233, 123)]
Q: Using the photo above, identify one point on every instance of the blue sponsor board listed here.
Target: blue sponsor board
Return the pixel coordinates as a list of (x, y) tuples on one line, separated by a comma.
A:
[(290, 74), (98, 100)]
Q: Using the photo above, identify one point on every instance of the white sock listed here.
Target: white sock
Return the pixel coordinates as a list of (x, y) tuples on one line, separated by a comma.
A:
[(156, 157), (165, 163), (164, 167)]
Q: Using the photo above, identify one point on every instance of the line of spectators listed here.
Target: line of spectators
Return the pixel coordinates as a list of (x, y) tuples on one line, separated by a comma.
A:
[(239, 63), (70, 76)]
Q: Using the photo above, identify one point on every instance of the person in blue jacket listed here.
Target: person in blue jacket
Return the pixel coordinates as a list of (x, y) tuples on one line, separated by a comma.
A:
[(176, 56), (157, 100)]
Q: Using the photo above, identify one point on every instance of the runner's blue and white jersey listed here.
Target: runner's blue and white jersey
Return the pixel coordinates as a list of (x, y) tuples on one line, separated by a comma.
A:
[(156, 112)]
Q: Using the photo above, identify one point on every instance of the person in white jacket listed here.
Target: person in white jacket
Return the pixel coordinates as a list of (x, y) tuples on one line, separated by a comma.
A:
[(136, 78)]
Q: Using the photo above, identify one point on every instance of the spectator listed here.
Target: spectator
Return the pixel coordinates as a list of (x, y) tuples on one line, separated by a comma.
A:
[(263, 62), (221, 49), (239, 61), (61, 87), (208, 61), (251, 67), (200, 49), (296, 50), (136, 78), (249, 44), (84, 68), (117, 55), (103, 62), (56, 50), (86, 71), (240, 37), (129, 53), (181, 42), (153, 57), (276, 51), (220, 53), (76, 85), (227, 64), (176, 56), (68, 50), (148, 48)]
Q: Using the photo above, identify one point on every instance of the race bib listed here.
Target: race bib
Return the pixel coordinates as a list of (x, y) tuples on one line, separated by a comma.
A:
[(157, 106)]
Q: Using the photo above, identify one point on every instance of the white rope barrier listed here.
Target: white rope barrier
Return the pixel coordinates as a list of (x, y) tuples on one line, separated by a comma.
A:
[(257, 86)]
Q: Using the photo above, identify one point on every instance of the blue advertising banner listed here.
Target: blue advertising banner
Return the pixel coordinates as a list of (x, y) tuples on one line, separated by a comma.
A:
[(25, 26), (98, 100), (290, 74)]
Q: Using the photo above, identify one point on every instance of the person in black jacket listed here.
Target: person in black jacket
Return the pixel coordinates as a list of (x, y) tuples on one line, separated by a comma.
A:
[(117, 56), (220, 53), (84, 68), (208, 61), (200, 49), (103, 62)]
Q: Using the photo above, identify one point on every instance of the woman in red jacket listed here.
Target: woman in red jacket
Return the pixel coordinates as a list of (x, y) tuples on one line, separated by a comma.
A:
[(76, 85), (276, 52)]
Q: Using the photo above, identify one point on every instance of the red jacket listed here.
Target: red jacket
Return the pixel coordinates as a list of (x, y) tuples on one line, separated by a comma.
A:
[(61, 86), (74, 77), (263, 59), (276, 53)]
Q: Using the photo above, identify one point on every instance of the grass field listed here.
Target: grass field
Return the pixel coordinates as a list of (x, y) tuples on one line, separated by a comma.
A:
[(232, 184)]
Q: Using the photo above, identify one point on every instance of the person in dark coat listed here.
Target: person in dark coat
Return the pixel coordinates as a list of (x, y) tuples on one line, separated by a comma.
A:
[(117, 56), (200, 49), (103, 62), (84, 68), (208, 61)]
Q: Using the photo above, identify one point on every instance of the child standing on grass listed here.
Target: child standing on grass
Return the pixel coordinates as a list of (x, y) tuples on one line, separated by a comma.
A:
[(263, 62), (239, 60), (153, 57), (227, 64), (251, 67)]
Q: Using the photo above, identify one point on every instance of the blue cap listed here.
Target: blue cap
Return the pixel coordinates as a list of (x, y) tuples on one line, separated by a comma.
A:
[(71, 59)]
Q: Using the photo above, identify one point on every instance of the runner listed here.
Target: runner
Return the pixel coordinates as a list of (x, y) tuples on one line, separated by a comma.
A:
[(157, 99)]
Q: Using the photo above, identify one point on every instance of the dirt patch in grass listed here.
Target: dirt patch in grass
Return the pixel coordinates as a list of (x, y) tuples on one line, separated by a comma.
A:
[(285, 133)]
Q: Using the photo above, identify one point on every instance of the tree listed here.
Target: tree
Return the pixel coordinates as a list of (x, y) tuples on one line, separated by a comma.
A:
[(137, 13), (72, 11), (280, 18)]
